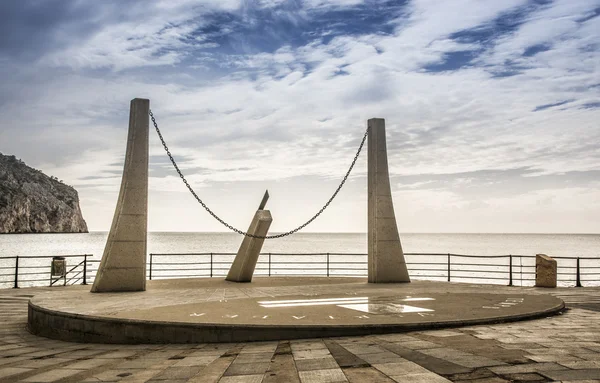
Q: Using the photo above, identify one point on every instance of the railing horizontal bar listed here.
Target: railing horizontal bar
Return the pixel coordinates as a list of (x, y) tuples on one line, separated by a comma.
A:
[(480, 264), (41, 273), (427, 263), (33, 280), (46, 256), (478, 271), (180, 263)]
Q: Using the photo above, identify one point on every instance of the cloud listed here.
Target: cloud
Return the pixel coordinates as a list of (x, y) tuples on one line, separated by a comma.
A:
[(276, 94)]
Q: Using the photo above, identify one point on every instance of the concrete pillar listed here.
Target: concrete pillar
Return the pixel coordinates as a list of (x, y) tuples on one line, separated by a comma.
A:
[(545, 271), (123, 265), (244, 263), (386, 259)]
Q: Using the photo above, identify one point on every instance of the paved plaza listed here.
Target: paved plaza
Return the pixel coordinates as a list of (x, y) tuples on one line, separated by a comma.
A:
[(563, 347)]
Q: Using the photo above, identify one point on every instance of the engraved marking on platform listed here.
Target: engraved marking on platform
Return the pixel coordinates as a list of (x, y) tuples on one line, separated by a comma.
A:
[(313, 302), (197, 315), (508, 302), (388, 308)]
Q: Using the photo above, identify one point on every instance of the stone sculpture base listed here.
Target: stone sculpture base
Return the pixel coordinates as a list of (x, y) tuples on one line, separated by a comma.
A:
[(275, 308), (244, 264)]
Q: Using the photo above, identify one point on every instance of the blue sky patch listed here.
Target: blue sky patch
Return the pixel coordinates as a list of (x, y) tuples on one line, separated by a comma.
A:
[(548, 106)]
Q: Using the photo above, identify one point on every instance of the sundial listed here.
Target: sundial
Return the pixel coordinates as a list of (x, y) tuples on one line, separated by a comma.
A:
[(276, 308), (333, 309)]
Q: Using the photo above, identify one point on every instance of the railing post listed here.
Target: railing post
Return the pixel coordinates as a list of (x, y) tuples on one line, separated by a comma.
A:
[(448, 267), (150, 272), (16, 286), (269, 264), (84, 269), (327, 264), (211, 265), (510, 277), (578, 284)]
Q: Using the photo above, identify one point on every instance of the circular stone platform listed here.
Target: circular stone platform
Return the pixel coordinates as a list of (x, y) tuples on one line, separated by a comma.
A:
[(273, 308)]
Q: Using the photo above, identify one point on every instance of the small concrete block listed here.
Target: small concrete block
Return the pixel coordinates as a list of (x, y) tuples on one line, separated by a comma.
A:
[(545, 271)]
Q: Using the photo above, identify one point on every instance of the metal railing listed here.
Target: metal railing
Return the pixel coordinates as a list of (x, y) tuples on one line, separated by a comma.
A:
[(508, 269), (32, 270)]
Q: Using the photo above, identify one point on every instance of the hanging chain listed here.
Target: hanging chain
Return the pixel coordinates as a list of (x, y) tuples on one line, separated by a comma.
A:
[(164, 144)]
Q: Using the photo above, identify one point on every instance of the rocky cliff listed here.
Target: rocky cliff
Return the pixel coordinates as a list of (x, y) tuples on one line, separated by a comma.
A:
[(32, 202)]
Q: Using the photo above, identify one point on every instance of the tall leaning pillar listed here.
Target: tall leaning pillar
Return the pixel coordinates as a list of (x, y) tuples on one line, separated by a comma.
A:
[(123, 265), (386, 259)]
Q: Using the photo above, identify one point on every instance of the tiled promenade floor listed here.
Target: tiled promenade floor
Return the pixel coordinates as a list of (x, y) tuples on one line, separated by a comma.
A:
[(561, 348)]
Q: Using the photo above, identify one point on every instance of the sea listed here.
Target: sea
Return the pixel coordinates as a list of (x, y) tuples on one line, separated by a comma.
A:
[(306, 253)]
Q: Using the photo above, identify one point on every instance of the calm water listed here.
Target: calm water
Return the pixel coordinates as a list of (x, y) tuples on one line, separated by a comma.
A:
[(570, 245)]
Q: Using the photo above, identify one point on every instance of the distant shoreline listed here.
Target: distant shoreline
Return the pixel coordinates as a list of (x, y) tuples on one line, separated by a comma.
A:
[(53, 232)]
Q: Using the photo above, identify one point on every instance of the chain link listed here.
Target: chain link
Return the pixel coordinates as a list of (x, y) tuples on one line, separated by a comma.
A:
[(281, 235)]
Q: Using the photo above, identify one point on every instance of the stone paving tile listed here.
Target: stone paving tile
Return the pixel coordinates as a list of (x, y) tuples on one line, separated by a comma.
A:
[(310, 354), (38, 363), (420, 378), (88, 364), (526, 377), (343, 357), (437, 365), (333, 375), (282, 367), (401, 368), (258, 357), (528, 367), (214, 371), (177, 373), (52, 375), (247, 368), (316, 364), (573, 374), (382, 357), (190, 361), (366, 374), (554, 358), (9, 371), (444, 333), (260, 347), (585, 364), (242, 379), (141, 363)]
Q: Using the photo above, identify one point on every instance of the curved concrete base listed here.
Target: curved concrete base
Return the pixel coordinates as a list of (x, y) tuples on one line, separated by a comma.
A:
[(211, 310)]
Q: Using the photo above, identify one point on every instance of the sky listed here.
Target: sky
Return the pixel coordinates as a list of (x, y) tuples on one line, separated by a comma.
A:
[(492, 108)]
